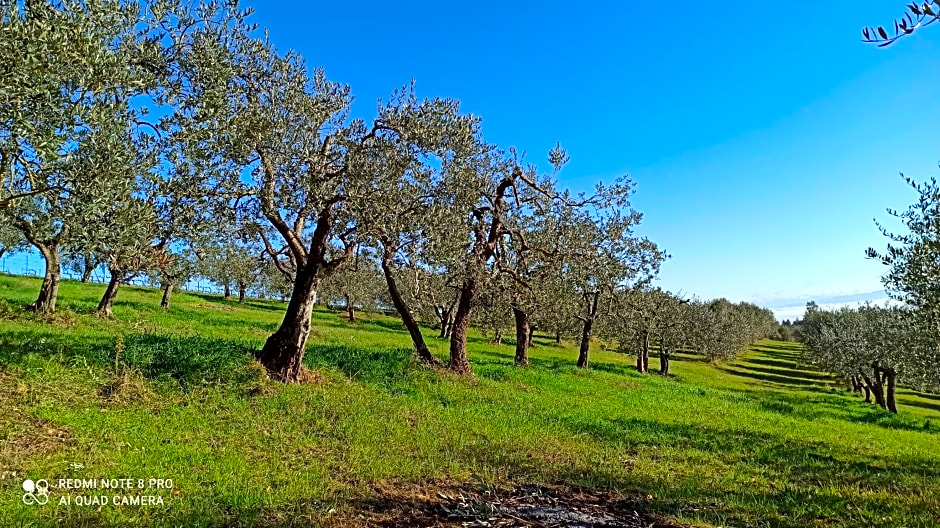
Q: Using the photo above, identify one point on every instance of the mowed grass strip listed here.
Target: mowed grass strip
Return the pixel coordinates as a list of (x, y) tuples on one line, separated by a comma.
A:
[(763, 441)]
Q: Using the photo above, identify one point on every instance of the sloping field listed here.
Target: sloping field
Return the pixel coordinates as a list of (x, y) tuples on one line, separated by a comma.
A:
[(377, 439)]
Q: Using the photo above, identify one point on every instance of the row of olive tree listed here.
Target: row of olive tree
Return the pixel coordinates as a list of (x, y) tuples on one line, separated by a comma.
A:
[(873, 348), (718, 330), (87, 172), (171, 139), (158, 133)]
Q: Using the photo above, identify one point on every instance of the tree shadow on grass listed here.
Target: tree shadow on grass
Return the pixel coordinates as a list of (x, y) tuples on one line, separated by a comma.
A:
[(620, 369), (787, 381), (272, 305), (688, 357), (190, 360), (906, 402), (925, 395), (781, 346), (779, 363), (796, 374), (384, 366), (836, 406), (387, 324), (487, 357), (796, 466)]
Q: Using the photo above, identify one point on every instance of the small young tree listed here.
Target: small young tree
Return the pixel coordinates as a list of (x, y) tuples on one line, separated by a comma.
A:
[(610, 258), (359, 283)]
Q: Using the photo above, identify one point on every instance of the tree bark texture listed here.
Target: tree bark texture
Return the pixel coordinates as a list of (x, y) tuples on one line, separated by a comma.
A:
[(283, 352), (106, 305), (417, 338), (458, 328), (523, 336), (641, 362), (585, 348), (663, 357), (49, 290), (167, 294), (350, 309), (891, 383)]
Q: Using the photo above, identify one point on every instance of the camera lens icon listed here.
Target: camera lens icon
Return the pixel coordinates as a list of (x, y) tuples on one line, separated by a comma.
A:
[(35, 492)]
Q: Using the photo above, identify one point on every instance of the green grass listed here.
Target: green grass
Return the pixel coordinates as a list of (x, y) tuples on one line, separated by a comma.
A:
[(762, 441)]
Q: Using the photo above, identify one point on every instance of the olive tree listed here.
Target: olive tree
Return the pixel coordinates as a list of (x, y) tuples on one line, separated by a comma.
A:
[(81, 261), (173, 269), (609, 258), (721, 330), (233, 259), (873, 347), (912, 256), (644, 314), (65, 119), (359, 282), (409, 221), (303, 168), (433, 292)]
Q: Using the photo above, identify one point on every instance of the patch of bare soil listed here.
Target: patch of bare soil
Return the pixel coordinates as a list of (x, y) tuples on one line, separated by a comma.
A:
[(528, 506)]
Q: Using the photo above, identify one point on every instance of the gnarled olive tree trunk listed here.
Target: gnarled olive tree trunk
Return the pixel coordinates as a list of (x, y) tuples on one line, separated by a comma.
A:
[(449, 322), (89, 263), (876, 389), (106, 305), (642, 357), (664, 356), (417, 338), (49, 290), (497, 337), (283, 352), (856, 385), (242, 293), (890, 381), (458, 330), (523, 335), (588, 320), (446, 315), (88, 268), (167, 294), (350, 309)]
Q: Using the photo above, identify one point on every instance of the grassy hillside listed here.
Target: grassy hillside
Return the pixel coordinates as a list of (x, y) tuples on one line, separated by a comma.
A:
[(759, 442)]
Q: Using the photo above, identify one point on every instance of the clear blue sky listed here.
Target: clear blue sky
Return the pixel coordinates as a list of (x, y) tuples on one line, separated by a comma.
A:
[(763, 136)]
